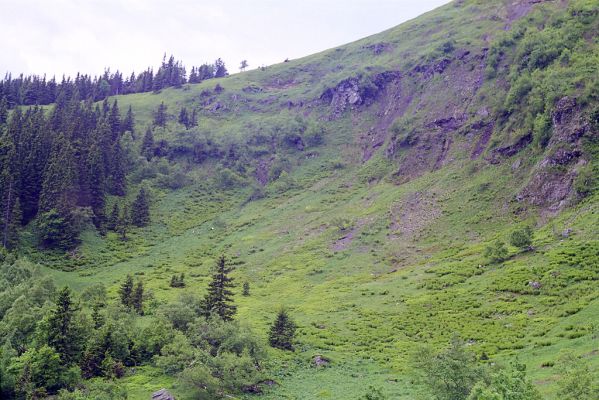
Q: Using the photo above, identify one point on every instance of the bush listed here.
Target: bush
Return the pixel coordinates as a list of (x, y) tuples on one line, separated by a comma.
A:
[(522, 238), (496, 252)]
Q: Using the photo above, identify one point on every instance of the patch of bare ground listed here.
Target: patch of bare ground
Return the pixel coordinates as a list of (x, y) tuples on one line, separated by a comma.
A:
[(412, 215)]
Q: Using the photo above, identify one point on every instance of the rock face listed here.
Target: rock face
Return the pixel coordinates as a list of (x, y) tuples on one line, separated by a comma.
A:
[(551, 185), (162, 394), (356, 91)]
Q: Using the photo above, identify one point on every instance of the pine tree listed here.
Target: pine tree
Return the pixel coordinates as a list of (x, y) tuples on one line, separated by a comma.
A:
[(140, 209), (184, 118), (96, 187), (128, 123), (114, 120), (113, 218), (219, 69), (193, 121), (160, 115), (147, 145), (219, 299), (282, 332), (63, 334), (137, 298), (3, 110), (118, 178), (126, 291)]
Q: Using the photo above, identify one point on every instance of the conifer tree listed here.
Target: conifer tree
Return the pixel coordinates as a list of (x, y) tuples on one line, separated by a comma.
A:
[(3, 110), (246, 288), (160, 115), (137, 298), (140, 209), (219, 299), (118, 183), (114, 120), (184, 118), (113, 218), (147, 145), (193, 121), (96, 187), (219, 69), (126, 291), (63, 334), (128, 123), (282, 332)]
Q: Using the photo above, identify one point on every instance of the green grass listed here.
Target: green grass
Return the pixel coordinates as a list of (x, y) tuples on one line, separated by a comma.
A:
[(409, 269)]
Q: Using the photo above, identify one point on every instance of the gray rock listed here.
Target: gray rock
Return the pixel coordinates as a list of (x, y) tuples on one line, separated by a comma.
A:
[(162, 394)]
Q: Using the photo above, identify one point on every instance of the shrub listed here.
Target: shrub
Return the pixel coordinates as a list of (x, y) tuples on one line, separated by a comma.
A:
[(496, 252)]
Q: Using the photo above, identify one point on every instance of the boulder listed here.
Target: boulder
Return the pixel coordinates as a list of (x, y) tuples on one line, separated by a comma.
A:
[(162, 394)]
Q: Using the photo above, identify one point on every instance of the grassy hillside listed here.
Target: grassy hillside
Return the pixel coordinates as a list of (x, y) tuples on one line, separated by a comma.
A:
[(419, 147)]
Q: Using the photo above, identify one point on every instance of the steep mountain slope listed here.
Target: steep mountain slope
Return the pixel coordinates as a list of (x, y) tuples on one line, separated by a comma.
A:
[(359, 188)]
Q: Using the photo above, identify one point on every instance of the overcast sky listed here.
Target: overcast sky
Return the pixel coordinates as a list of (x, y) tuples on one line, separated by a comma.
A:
[(66, 36)]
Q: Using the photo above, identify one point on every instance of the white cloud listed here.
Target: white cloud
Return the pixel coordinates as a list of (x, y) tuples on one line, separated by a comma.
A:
[(69, 36)]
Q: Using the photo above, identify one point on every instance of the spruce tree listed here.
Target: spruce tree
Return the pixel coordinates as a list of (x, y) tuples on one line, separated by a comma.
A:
[(160, 115), (114, 120), (184, 118), (128, 123), (126, 291), (63, 334), (282, 332), (3, 110), (140, 209), (219, 299), (96, 188), (147, 145), (113, 218), (137, 298), (219, 69)]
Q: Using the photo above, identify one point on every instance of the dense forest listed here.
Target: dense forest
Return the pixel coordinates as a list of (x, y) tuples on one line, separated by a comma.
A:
[(39, 90)]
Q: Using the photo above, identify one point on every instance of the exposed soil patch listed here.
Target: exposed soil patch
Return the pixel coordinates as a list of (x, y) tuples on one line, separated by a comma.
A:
[(411, 216)]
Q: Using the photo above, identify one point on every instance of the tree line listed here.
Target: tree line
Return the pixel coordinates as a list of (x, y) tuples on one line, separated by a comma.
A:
[(39, 90)]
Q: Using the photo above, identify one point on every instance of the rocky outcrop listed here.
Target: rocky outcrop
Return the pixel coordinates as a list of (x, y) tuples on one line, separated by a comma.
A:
[(162, 394), (551, 186), (356, 91)]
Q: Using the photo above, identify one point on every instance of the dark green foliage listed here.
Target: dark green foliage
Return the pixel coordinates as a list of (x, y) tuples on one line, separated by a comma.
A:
[(246, 288), (3, 110), (63, 333), (282, 332), (140, 209), (177, 281), (218, 302), (160, 115), (128, 123), (137, 298), (147, 145), (56, 231), (126, 292), (496, 252), (374, 393), (522, 238), (184, 118), (113, 218), (219, 69)]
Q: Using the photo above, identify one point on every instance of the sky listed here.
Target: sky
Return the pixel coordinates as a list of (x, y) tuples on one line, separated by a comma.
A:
[(56, 37)]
